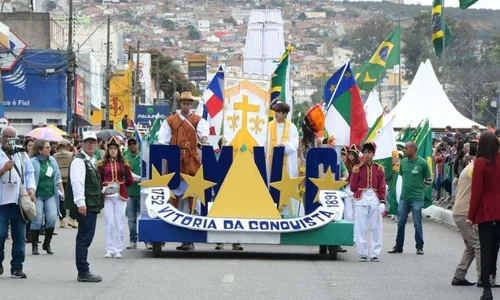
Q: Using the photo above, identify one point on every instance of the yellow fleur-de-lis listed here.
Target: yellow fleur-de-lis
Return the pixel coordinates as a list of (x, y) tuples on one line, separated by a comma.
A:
[(257, 124), (233, 121)]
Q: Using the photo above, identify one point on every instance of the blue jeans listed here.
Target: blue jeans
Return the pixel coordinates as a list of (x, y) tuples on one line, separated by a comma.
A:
[(415, 206), (12, 213), (49, 208), (84, 237), (133, 210)]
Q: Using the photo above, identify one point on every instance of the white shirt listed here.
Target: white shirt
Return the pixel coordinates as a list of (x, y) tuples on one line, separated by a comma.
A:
[(11, 182), (165, 133), (78, 173)]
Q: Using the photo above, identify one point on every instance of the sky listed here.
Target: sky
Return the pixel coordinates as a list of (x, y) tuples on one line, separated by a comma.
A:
[(489, 4)]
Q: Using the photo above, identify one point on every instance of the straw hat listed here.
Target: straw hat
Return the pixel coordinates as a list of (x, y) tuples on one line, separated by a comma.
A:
[(188, 96)]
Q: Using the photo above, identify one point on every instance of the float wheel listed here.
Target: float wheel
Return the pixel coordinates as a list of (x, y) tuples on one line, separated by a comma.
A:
[(157, 249), (332, 252)]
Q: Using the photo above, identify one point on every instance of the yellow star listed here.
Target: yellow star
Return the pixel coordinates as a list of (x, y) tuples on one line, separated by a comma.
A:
[(197, 185), (290, 47), (158, 180), (288, 188), (332, 88), (326, 183), (347, 75)]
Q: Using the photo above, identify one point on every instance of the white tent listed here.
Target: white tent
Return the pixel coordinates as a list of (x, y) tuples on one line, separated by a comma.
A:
[(426, 98), (373, 108)]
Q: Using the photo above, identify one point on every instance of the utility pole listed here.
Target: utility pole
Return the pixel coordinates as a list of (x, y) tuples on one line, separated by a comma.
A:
[(108, 72), (443, 26), (71, 70), (137, 86), (157, 79)]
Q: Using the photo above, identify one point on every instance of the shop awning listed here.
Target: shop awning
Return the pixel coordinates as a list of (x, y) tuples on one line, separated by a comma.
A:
[(80, 121)]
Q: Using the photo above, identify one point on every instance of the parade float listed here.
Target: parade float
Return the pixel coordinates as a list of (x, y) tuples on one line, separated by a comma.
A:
[(244, 208)]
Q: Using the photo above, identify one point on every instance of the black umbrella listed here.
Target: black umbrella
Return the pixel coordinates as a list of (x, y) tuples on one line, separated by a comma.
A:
[(106, 134)]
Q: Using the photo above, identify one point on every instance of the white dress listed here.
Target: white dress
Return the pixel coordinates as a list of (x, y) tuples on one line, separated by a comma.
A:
[(292, 164)]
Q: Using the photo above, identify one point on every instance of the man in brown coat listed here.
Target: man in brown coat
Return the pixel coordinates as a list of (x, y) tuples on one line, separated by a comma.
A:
[(64, 158), (184, 129)]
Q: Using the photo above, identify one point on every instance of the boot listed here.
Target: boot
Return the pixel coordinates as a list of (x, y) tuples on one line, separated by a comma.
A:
[(487, 295), (34, 242), (28, 235), (49, 232)]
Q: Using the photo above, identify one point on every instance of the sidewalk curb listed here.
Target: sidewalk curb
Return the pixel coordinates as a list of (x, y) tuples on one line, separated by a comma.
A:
[(440, 214)]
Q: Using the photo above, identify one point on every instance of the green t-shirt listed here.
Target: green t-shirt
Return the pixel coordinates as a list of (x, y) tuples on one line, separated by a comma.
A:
[(45, 187), (343, 168), (135, 166), (97, 154), (414, 172)]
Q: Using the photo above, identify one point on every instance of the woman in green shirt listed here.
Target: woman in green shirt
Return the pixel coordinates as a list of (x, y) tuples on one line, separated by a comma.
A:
[(48, 192)]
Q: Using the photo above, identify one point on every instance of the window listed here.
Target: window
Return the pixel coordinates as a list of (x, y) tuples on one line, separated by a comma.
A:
[(21, 121), (53, 121)]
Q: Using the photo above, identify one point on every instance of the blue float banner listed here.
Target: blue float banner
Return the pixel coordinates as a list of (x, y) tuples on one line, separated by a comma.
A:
[(277, 174), (166, 159), (314, 158), (37, 82), (144, 114)]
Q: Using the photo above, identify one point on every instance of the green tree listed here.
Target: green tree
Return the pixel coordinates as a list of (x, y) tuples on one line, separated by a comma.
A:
[(302, 16), (299, 109), (168, 24), (318, 83), (194, 34), (277, 3), (51, 5), (230, 20), (171, 78), (468, 78), (366, 38)]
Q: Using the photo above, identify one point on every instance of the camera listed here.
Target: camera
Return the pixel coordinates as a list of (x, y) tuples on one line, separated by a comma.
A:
[(13, 147)]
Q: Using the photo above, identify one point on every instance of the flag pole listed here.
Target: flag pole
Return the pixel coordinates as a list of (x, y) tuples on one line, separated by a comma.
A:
[(443, 26), (399, 25)]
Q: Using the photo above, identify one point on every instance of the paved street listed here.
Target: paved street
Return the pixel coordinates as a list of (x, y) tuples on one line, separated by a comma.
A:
[(260, 272)]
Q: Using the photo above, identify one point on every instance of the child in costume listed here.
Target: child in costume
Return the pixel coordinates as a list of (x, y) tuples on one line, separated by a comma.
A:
[(367, 182)]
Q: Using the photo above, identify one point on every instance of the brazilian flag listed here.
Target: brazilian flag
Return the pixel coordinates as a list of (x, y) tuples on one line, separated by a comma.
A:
[(279, 81), (385, 57), (440, 29), (464, 4)]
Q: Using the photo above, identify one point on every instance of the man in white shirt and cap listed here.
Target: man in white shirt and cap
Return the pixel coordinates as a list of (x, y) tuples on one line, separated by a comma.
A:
[(83, 197), (13, 165)]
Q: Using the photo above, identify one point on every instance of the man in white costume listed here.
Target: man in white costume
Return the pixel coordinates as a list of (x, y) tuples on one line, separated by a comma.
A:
[(184, 129), (283, 133)]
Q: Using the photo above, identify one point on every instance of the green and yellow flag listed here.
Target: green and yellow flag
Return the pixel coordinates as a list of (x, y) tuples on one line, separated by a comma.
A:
[(464, 4), (385, 57), (440, 29), (279, 81), (424, 150), (372, 133)]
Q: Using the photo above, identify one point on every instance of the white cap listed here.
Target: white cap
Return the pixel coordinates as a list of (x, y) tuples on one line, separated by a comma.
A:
[(89, 135)]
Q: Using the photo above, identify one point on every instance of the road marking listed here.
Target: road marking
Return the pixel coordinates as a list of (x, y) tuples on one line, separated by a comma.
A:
[(228, 279)]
